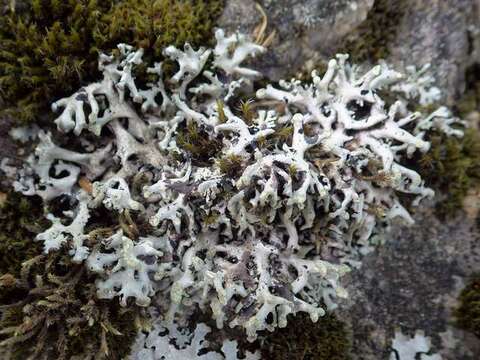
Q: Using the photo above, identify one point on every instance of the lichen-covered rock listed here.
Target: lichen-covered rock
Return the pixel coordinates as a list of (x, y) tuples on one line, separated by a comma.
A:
[(305, 29), (414, 282), (317, 172), (406, 32)]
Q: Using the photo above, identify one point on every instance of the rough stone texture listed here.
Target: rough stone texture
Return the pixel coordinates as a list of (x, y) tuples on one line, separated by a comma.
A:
[(444, 33), (305, 29), (412, 283)]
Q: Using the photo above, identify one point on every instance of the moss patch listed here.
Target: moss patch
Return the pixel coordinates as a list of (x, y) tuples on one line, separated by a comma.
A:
[(326, 339), (198, 143), (58, 316), (470, 101), (369, 42), (20, 219), (48, 48), (468, 313), (452, 167)]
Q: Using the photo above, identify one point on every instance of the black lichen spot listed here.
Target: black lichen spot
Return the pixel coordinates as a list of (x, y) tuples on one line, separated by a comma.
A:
[(361, 109)]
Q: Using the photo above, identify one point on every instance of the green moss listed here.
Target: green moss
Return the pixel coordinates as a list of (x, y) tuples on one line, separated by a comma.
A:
[(59, 317), (468, 313), (470, 101), (231, 165), (46, 48), (155, 24), (20, 219), (452, 167), (326, 339), (198, 143), (369, 42), (49, 48)]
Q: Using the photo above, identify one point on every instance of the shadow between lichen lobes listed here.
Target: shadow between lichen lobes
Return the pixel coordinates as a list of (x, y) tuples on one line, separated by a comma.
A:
[(49, 48)]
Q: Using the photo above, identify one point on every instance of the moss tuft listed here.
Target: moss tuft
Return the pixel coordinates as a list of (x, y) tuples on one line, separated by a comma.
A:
[(49, 48), (20, 219), (57, 315), (155, 24), (370, 40), (452, 167), (468, 313), (470, 101), (326, 339), (198, 143), (231, 165)]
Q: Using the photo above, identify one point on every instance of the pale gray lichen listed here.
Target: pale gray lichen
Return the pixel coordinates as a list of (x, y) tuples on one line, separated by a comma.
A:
[(269, 238), (168, 341), (412, 348)]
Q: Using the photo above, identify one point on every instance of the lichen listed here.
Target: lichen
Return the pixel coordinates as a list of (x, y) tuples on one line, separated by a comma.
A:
[(467, 314), (50, 47), (300, 184)]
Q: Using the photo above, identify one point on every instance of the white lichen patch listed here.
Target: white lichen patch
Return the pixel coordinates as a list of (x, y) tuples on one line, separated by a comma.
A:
[(412, 348), (168, 341), (298, 184)]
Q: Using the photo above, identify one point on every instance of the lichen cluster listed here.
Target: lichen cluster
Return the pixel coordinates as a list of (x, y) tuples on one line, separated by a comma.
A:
[(48, 48), (293, 188)]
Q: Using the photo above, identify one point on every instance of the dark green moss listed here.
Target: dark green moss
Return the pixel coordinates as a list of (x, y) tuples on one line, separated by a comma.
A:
[(326, 339), (20, 219), (451, 167), (370, 40), (56, 314), (231, 165), (48, 48), (468, 313), (198, 143), (155, 24), (470, 101)]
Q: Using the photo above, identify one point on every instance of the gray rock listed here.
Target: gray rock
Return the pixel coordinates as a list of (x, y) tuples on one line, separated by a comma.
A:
[(444, 33), (305, 29), (412, 283)]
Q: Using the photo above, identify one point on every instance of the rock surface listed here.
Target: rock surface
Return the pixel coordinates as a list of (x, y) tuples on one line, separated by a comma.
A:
[(412, 283), (305, 29), (444, 33)]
